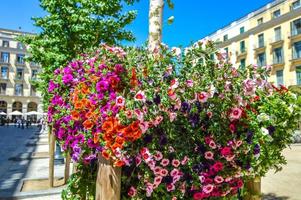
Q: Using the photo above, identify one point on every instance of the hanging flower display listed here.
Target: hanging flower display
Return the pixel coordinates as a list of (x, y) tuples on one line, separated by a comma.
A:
[(180, 127)]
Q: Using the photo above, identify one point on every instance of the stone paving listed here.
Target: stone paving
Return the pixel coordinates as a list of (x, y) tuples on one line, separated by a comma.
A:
[(286, 184), (17, 163)]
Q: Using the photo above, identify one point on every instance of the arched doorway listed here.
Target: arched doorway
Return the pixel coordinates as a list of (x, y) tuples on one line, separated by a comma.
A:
[(16, 106), (32, 106), (3, 106)]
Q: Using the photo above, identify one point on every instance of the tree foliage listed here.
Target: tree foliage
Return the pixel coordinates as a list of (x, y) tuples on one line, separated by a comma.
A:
[(72, 27)]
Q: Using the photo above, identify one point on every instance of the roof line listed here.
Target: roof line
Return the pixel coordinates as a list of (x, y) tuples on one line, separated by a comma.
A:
[(245, 16), (16, 31)]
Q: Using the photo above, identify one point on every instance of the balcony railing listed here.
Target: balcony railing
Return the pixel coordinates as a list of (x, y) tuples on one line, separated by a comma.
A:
[(277, 38), (4, 60), (241, 51), (278, 60), (34, 64), (296, 55), (3, 92), (19, 78), (19, 93), (259, 45), (20, 62), (4, 77), (295, 32)]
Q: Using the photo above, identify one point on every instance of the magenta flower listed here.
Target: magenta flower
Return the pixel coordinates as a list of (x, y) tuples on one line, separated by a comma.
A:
[(67, 78), (235, 113), (102, 86)]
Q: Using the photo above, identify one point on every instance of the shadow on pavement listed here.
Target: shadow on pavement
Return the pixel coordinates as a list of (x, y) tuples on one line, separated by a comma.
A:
[(14, 162), (272, 196)]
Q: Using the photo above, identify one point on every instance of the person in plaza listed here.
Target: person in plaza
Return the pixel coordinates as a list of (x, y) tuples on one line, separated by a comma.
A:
[(22, 123)]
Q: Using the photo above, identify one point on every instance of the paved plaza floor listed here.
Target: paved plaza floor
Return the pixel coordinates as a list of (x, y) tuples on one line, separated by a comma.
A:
[(17, 163), (286, 184)]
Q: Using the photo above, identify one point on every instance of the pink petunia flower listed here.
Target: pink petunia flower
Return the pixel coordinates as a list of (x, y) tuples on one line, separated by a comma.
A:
[(157, 170), (208, 188), (189, 83), (235, 113), (212, 144), (184, 161), (172, 116), (163, 172), (170, 187), (158, 156), (174, 172), (175, 162), (120, 101), (132, 192), (157, 181), (209, 155), (143, 126), (140, 96), (138, 160), (203, 97), (218, 179), (164, 162)]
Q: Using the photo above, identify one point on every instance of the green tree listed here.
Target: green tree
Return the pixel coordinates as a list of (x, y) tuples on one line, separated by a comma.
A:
[(72, 27)]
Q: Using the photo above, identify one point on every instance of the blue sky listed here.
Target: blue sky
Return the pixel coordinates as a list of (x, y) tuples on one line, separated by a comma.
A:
[(194, 19)]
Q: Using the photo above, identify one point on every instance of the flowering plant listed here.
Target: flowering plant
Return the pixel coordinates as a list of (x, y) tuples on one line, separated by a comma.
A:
[(190, 135)]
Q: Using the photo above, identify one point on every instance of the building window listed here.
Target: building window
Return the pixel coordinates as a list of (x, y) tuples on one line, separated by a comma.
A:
[(296, 4), (3, 88), (297, 50), (5, 43), (259, 21), (278, 55), (242, 30), (226, 37), (242, 46), (243, 64), (296, 27), (19, 89), (4, 72), (276, 13), (279, 77), (5, 57), (277, 32), (19, 74), (20, 46), (298, 74), (20, 59), (34, 74), (261, 60), (226, 52), (260, 40)]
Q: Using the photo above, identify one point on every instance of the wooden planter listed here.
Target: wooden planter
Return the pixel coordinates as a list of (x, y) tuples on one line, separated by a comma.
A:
[(253, 188), (108, 182)]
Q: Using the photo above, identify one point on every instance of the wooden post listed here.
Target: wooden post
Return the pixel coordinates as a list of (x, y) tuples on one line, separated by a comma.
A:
[(67, 168), (51, 158), (253, 187), (108, 183)]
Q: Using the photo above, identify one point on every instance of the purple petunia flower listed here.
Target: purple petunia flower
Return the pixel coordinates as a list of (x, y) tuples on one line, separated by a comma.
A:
[(102, 86), (52, 86), (67, 78)]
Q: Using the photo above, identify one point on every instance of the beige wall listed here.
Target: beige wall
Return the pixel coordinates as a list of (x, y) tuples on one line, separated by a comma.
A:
[(267, 28), (10, 97)]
